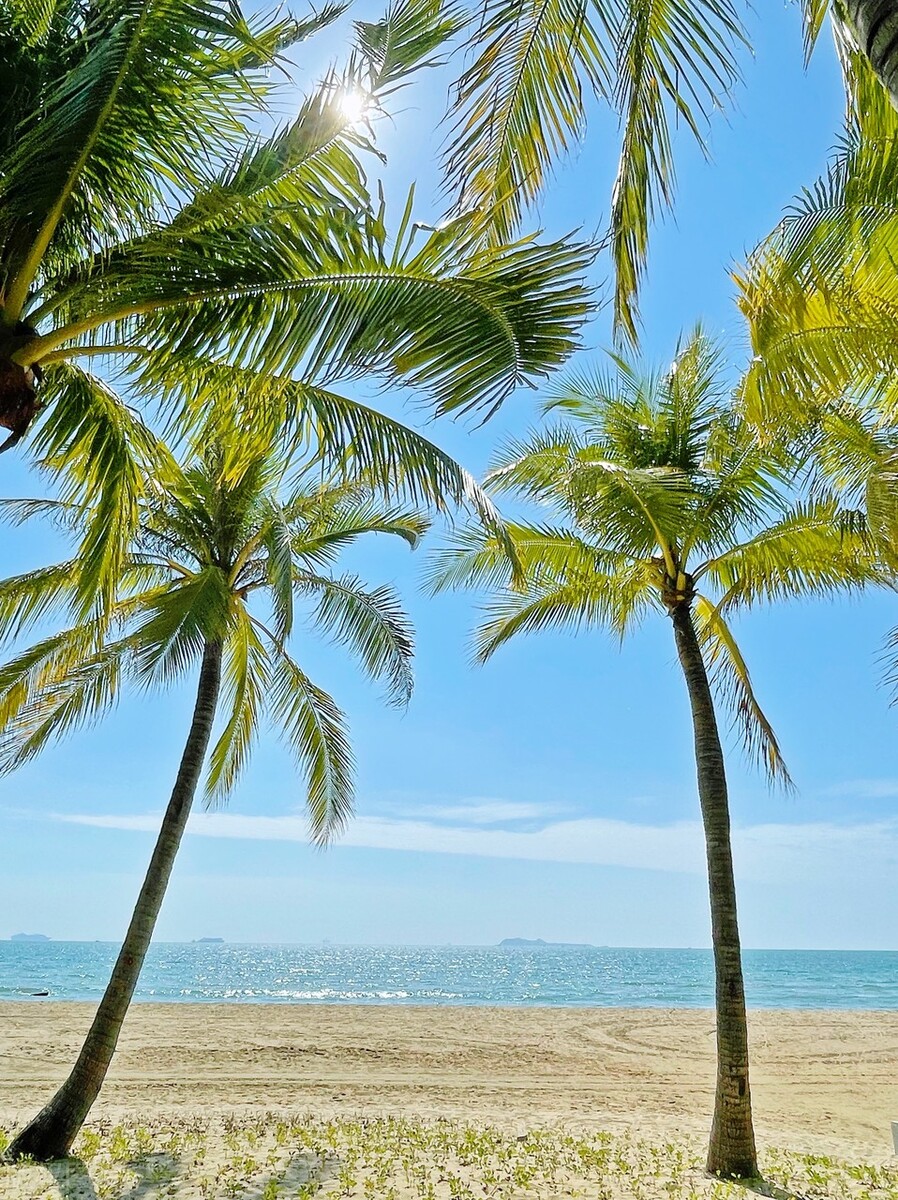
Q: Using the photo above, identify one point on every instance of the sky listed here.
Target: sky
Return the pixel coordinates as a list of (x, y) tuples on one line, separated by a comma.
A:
[(551, 793)]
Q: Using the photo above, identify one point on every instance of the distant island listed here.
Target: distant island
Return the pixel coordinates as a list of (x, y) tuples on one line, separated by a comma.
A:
[(30, 937), (540, 942), (209, 941)]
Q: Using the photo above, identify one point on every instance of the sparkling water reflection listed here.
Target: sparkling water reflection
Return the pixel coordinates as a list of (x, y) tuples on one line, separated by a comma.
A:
[(452, 975)]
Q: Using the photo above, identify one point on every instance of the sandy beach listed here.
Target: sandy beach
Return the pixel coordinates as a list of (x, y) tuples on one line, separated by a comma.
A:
[(823, 1081)]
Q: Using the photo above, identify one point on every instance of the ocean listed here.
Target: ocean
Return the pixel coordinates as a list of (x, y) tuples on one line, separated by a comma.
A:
[(541, 975)]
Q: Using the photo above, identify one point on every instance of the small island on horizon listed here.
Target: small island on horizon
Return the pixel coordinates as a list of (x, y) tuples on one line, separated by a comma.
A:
[(30, 937), (526, 942), (214, 941)]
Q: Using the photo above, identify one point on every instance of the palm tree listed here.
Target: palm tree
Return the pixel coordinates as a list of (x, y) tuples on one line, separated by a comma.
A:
[(533, 65), (666, 504), (145, 224), (221, 544)]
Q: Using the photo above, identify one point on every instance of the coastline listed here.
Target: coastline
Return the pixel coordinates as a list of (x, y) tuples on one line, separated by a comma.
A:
[(824, 1080)]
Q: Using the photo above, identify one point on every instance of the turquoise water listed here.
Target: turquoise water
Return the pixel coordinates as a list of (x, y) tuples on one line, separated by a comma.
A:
[(452, 975)]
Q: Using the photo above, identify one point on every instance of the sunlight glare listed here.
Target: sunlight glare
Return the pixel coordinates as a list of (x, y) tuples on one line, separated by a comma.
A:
[(354, 105)]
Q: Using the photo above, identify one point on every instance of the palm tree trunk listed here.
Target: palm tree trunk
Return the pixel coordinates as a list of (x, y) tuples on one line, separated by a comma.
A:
[(51, 1133), (731, 1152), (874, 26)]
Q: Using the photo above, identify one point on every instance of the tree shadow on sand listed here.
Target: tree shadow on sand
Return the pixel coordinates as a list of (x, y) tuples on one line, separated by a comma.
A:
[(72, 1178), (763, 1187), (158, 1173)]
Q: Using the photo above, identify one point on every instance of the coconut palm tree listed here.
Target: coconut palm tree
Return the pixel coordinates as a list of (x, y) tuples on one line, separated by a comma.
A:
[(226, 550), (146, 223), (534, 66), (663, 503)]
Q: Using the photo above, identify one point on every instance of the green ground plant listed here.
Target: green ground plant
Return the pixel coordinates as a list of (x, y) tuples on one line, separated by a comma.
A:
[(298, 1158)]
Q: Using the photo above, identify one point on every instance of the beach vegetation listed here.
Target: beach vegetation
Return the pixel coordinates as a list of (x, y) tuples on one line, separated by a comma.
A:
[(231, 551), (657, 499), (403, 1159)]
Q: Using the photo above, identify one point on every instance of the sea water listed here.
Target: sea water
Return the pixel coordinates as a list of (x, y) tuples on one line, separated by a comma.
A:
[(539, 975)]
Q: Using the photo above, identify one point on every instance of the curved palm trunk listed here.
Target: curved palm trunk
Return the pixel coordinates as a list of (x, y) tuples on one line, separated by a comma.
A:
[(51, 1133), (731, 1151), (874, 26)]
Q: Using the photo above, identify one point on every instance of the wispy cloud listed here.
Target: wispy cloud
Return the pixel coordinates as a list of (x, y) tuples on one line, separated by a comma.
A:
[(770, 851), (477, 811)]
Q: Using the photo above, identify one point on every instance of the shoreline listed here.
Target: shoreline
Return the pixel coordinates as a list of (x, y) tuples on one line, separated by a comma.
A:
[(823, 1080), (541, 1006)]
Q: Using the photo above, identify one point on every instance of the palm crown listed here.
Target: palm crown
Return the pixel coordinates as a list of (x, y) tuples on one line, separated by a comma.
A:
[(664, 498), (225, 550), (146, 226)]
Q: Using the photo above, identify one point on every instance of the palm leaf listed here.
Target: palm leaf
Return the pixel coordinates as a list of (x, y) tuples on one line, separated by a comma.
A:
[(732, 683), (76, 696), (675, 59), (371, 624), (180, 620), (519, 104), (313, 727), (104, 454), (245, 684)]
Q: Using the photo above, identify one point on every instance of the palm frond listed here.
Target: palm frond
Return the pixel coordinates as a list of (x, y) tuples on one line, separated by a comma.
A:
[(472, 557), (148, 85), (371, 624), (27, 599), (810, 551), (519, 104), (411, 36), (340, 305), (62, 680), (180, 620), (615, 602), (314, 729), (732, 683), (674, 60), (244, 691), (104, 454), (66, 700)]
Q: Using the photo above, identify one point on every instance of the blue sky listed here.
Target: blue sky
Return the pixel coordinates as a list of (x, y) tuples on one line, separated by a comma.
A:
[(550, 794)]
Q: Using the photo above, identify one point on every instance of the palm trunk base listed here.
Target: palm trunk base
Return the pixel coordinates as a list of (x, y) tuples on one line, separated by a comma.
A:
[(731, 1149), (51, 1134)]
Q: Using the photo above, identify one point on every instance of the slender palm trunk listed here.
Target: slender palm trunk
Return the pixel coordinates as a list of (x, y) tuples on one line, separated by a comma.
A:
[(51, 1133), (731, 1151), (874, 26)]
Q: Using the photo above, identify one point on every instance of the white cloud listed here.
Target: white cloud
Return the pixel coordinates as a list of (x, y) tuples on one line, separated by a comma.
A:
[(479, 812), (807, 851)]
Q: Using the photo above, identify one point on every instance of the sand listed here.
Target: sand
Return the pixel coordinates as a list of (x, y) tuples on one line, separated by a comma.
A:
[(824, 1082)]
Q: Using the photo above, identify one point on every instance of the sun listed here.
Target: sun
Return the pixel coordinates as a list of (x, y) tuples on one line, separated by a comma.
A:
[(354, 105)]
